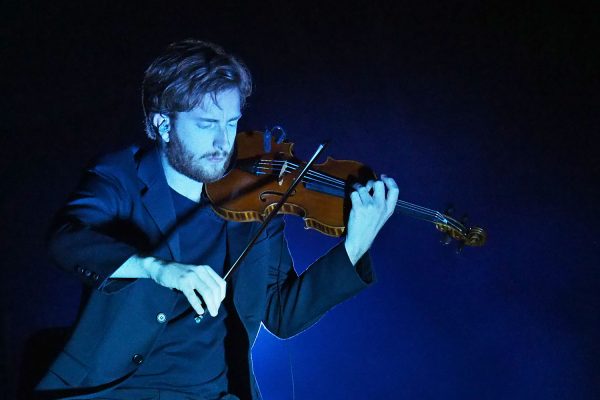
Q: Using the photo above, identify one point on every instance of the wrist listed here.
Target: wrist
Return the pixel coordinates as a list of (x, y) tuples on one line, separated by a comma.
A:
[(150, 266), (354, 252)]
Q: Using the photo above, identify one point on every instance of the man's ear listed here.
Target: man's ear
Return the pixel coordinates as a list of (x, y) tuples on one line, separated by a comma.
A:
[(162, 124)]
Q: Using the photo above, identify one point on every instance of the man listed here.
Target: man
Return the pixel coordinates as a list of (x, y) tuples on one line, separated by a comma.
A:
[(138, 231)]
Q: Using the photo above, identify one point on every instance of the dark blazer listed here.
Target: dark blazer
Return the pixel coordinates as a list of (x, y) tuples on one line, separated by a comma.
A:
[(123, 207)]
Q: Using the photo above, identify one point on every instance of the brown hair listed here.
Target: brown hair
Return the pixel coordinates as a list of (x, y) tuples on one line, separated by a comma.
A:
[(184, 73)]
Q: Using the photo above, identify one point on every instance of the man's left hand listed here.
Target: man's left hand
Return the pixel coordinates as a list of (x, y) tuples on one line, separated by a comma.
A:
[(372, 205)]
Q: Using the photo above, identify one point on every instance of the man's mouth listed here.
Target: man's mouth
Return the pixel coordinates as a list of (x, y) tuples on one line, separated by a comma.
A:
[(216, 158)]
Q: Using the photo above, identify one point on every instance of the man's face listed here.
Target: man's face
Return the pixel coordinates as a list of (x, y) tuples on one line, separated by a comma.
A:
[(201, 140)]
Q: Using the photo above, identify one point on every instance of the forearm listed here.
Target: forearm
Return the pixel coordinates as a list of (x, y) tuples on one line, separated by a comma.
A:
[(296, 302), (197, 282), (137, 267), (90, 255)]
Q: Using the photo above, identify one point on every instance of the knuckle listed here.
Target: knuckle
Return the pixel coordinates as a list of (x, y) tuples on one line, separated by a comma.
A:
[(205, 290), (208, 290), (200, 269), (187, 275), (185, 283)]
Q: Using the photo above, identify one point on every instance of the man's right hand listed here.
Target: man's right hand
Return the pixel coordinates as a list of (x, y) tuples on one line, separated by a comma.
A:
[(190, 279)]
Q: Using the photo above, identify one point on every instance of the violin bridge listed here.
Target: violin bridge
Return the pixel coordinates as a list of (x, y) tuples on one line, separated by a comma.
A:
[(281, 173)]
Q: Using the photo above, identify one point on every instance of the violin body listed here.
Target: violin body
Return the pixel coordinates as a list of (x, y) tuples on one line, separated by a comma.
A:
[(250, 190)]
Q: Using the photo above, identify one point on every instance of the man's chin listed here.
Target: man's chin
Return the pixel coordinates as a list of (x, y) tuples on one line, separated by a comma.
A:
[(211, 175)]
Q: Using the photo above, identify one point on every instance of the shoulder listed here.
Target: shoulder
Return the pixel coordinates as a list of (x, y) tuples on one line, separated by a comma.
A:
[(121, 159), (118, 168)]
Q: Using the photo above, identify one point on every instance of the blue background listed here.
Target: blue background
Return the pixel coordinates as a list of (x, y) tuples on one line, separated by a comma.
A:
[(490, 107)]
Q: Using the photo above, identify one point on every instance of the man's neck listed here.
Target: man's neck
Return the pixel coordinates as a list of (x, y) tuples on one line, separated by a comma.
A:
[(180, 183)]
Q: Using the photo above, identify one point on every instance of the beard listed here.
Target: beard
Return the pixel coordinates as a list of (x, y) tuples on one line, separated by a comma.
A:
[(196, 167)]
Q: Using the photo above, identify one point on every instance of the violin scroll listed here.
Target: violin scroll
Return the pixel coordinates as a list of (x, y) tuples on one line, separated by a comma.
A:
[(452, 228)]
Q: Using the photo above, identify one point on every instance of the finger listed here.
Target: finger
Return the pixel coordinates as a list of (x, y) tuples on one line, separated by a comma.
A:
[(363, 193), (194, 301), (392, 193), (355, 199), (379, 194), (214, 290), (195, 288), (369, 185), (208, 295), (220, 281)]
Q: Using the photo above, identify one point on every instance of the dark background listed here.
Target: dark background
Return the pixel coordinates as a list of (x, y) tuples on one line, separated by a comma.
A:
[(492, 107)]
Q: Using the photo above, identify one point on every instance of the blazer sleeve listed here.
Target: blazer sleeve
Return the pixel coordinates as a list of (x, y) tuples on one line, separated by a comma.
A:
[(294, 302), (83, 239)]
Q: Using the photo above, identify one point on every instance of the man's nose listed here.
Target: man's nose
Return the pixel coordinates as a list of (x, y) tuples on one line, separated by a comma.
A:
[(221, 140)]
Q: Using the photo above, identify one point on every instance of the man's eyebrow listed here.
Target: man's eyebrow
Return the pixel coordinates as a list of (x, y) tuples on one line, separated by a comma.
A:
[(216, 120)]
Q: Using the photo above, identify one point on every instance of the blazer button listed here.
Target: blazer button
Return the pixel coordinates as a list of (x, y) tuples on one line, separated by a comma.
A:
[(161, 318), (88, 273), (137, 359)]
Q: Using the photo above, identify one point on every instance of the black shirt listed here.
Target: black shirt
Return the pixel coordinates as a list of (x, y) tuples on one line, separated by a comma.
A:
[(188, 356)]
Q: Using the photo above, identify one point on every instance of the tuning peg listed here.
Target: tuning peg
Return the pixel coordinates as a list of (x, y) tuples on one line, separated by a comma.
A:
[(449, 210), (465, 219), (280, 134), (460, 246), (267, 140)]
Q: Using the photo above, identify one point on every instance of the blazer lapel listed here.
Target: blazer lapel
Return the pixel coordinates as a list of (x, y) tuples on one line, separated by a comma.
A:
[(157, 200)]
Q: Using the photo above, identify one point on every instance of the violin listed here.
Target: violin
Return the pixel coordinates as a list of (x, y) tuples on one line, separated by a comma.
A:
[(258, 180), (267, 179)]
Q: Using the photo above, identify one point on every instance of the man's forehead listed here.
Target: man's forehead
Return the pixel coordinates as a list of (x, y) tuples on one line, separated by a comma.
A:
[(225, 102)]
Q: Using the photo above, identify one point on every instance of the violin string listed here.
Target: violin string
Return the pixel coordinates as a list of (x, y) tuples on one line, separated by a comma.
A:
[(294, 167), (307, 179), (315, 177), (310, 172), (415, 207), (340, 184), (401, 203), (412, 207), (311, 177)]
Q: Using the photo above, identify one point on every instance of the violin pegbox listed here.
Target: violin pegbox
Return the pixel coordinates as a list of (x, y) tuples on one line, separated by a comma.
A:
[(457, 229)]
